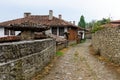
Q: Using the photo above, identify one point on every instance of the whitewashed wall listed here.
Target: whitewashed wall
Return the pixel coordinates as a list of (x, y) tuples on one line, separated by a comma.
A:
[(83, 34), (17, 32), (48, 32), (66, 29), (1, 32)]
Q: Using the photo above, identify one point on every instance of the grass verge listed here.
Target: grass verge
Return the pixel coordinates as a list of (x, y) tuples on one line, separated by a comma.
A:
[(83, 40), (59, 53)]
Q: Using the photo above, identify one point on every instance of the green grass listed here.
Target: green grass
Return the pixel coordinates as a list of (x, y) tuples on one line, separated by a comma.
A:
[(83, 40), (58, 53)]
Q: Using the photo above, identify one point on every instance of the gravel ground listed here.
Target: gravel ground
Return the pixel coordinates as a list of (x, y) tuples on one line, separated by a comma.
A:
[(78, 64)]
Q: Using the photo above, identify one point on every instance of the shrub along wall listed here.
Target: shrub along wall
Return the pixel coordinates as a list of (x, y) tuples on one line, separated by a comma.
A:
[(106, 42), (22, 60)]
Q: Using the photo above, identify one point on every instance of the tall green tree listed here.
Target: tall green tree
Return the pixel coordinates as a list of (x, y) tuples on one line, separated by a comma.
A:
[(82, 22)]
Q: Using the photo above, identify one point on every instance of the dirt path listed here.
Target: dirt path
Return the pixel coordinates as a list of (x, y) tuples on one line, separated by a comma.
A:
[(78, 64)]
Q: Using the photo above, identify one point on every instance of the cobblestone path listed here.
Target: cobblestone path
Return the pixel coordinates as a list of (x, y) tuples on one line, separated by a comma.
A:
[(78, 64)]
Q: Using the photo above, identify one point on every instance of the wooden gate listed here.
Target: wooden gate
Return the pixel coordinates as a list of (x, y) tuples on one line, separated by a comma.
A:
[(72, 34)]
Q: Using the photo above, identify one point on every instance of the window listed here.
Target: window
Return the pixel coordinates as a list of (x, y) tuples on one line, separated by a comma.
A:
[(54, 30), (12, 32), (61, 31), (9, 32), (6, 31)]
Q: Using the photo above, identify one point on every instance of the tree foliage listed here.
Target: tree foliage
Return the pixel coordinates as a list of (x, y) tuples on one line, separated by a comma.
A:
[(82, 22), (97, 25)]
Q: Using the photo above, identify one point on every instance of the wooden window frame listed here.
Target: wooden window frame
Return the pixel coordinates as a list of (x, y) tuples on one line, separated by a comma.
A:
[(54, 30), (61, 31), (6, 31)]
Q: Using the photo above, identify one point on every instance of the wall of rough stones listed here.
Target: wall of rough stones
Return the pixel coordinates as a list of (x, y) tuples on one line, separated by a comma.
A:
[(61, 46), (22, 60), (106, 42)]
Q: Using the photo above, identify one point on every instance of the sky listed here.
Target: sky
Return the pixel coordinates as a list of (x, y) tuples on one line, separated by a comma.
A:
[(71, 10)]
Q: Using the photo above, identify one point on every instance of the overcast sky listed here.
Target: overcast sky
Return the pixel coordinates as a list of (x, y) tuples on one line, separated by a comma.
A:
[(71, 10)]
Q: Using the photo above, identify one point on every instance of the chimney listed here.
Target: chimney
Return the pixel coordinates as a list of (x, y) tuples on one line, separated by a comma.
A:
[(50, 14), (73, 22), (60, 16), (27, 14)]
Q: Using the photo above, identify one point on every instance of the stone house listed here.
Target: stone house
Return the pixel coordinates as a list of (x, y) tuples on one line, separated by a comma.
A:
[(57, 26)]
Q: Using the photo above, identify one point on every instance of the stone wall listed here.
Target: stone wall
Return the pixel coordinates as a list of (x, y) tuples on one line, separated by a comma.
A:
[(106, 42), (27, 35), (61, 46), (22, 60)]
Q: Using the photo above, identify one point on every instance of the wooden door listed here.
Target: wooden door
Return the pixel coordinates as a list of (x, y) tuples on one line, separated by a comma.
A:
[(72, 34)]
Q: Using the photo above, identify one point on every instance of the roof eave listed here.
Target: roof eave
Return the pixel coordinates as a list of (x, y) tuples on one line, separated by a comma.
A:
[(20, 28)]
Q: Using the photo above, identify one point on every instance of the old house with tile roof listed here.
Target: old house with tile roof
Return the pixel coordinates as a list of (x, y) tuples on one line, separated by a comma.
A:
[(114, 23), (57, 26)]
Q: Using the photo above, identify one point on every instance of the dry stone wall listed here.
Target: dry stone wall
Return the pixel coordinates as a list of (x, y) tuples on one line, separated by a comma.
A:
[(22, 60), (106, 42)]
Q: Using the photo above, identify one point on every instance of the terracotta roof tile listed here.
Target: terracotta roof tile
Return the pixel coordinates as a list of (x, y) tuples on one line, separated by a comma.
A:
[(116, 21), (28, 26), (111, 25), (43, 20)]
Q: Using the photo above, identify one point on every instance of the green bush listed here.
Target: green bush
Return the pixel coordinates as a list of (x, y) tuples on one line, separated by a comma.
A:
[(97, 28)]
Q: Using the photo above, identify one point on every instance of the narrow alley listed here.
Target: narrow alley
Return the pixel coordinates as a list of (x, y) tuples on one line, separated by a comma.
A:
[(78, 64)]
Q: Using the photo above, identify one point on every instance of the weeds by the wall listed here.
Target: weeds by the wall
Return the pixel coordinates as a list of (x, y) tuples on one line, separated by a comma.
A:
[(59, 53), (83, 40)]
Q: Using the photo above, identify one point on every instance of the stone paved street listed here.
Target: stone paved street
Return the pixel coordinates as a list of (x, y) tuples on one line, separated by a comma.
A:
[(78, 64)]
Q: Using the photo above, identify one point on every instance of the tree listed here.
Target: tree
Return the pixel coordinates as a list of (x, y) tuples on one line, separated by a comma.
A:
[(82, 22), (97, 25)]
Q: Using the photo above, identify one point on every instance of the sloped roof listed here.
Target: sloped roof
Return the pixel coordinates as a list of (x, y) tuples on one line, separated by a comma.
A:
[(28, 26), (38, 19), (111, 25), (116, 21)]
